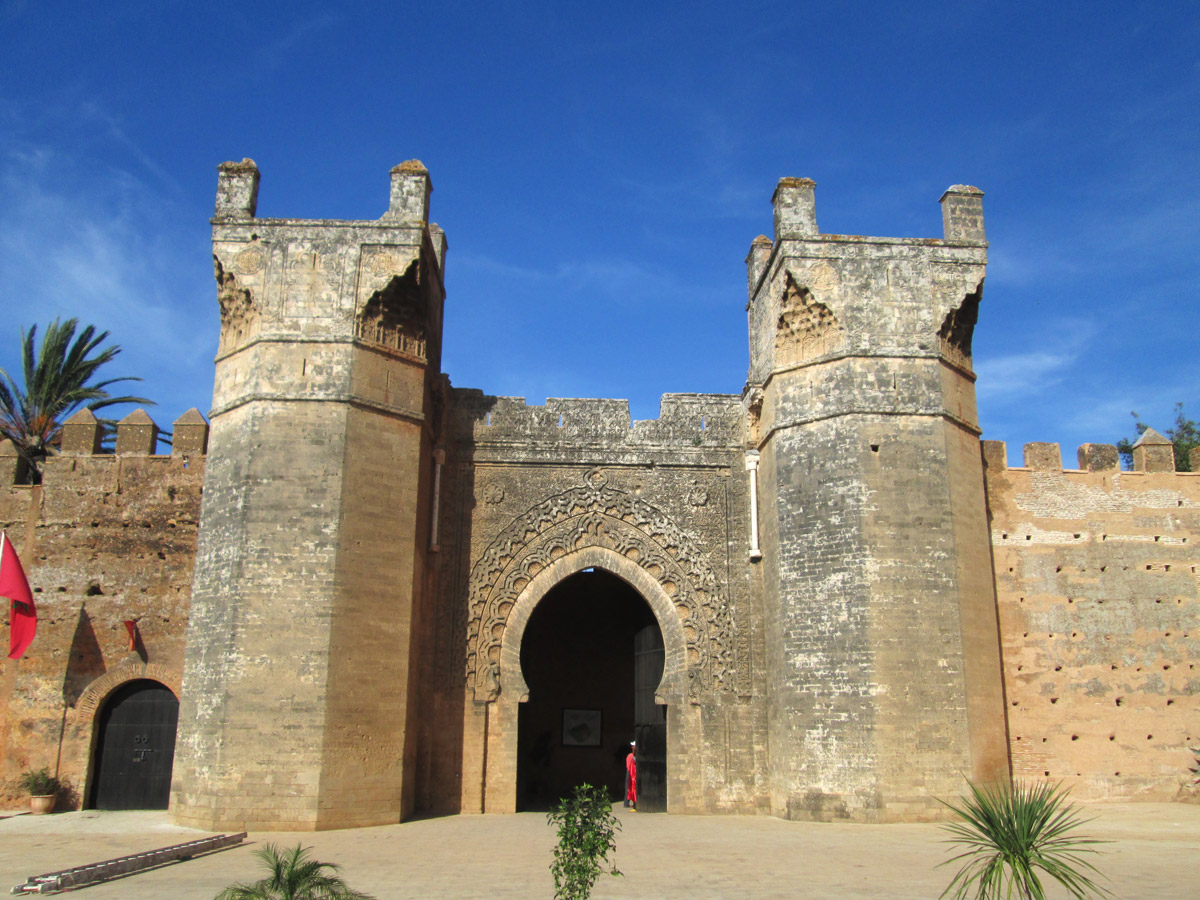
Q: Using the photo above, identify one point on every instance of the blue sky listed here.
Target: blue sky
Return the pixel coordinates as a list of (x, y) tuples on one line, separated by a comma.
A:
[(600, 172)]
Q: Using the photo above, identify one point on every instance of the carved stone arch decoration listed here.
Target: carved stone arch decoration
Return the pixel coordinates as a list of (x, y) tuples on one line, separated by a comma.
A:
[(672, 687), (958, 328), (595, 515), (393, 316), (807, 328), (239, 313), (98, 691)]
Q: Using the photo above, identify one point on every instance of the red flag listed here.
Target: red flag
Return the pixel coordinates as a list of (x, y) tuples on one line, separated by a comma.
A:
[(14, 586)]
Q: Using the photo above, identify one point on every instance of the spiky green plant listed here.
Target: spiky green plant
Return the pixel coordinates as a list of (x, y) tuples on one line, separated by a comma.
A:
[(294, 875), (1013, 831), (586, 835), (57, 380)]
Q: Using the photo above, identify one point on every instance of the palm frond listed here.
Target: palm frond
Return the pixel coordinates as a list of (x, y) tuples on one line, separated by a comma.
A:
[(1011, 832), (293, 875), (59, 378)]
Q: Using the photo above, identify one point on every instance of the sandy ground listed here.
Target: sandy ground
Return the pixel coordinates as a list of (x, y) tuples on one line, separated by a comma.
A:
[(1154, 855)]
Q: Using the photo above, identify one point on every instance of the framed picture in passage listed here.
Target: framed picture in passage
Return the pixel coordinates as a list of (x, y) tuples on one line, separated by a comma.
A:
[(582, 727)]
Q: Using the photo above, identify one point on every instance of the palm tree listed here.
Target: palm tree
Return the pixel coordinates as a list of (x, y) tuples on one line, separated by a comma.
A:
[(1010, 832), (58, 380), (294, 876)]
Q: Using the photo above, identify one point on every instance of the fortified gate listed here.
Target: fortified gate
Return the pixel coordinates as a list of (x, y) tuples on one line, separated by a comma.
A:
[(413, 596), (367, 593)]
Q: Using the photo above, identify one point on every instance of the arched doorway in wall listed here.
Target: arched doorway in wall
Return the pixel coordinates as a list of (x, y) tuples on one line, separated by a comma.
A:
[(592, 656), (135, 747)]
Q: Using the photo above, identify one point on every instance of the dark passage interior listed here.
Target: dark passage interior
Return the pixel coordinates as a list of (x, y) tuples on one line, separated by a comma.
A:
[(578, 659)]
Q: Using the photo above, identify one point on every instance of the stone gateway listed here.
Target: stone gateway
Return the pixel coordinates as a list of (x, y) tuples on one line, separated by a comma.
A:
[(822, 598)]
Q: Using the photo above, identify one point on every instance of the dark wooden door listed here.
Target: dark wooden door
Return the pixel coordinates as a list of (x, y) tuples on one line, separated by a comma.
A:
[(136, 748), (650, 720)]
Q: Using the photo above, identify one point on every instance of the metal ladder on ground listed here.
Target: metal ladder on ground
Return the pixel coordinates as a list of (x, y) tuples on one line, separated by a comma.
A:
[(123, 865)]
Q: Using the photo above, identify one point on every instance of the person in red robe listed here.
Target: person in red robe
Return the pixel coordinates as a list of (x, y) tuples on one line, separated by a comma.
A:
[(631, 777)]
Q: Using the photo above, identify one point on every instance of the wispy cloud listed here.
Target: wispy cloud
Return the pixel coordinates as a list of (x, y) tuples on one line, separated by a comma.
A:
[(108, 251)]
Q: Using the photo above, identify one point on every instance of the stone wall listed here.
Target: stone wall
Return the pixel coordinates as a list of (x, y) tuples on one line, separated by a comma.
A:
[(534, 493), (104, 539), (1098, 583)]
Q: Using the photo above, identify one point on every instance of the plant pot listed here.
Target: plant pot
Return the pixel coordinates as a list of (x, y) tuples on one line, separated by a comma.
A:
[(40, 805)]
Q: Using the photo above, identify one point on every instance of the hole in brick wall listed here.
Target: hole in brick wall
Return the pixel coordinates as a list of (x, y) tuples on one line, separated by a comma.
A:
[(1103, 568), (1074, 737), (1114, 667), (1156, 601), (1167, 567), (1166, 667), (62, 590), (488, 420), (1047, 774), (1053, 699), (1104, 537), (874, 448), (1070, 600), (560, 420), (1058, 568), (1029, 537), (1149, 737), (1170, 703), (1166, 634), (703, 422), (1147, 568), (1043, 740), (161, 555), (1015, 703), (1112, 737), (1022, 599), (1010, 570), (1019, 668), (1018, 737), (1004, 537), (93, 590), (1120, 700), (1058, 668), (1074, 634), (1076, 537), (1118, 774), (1156, 539)]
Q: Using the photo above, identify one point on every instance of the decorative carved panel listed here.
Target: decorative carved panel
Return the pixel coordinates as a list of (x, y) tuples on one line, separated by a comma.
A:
[(394, 316), (806, 329), (239, 313), (597, 515), (954, 337)]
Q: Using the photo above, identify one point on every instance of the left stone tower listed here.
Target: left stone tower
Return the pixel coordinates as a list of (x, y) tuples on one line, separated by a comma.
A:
[(305, 624)]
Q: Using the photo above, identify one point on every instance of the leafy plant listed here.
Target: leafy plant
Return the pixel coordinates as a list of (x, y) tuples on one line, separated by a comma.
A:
[(39, 783), (57, 381), (586, 835), (1011, 832), (294, 875)]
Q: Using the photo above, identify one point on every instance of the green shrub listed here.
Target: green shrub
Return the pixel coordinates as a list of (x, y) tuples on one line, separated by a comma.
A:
[(40, 783), (1012, 831), (293, 875), (586, 835)]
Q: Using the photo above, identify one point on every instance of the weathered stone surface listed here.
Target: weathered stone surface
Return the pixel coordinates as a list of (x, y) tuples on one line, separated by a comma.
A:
[(832, 558)]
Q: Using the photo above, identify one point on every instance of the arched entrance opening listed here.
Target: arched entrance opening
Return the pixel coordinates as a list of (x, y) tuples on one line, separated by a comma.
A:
[(592, 657), (135, 747)]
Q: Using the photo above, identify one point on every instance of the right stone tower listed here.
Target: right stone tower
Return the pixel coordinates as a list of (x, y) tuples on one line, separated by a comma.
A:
[(883, 646)]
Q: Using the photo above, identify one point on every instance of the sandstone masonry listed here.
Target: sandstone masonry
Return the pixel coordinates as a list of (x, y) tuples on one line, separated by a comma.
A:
[(858, 603)]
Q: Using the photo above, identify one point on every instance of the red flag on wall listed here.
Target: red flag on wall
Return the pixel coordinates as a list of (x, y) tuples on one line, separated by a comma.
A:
[(14, 586)]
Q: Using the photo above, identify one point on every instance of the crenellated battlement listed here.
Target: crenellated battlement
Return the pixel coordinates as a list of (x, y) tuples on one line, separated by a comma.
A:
[(137, 436), (1152, 454), (685, 420)]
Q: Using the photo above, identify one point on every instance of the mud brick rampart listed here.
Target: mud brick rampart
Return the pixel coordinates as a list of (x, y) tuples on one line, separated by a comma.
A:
[(106, 538)]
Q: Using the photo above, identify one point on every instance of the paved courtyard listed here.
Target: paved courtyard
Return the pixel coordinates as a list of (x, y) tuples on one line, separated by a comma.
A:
[(1154, 855)]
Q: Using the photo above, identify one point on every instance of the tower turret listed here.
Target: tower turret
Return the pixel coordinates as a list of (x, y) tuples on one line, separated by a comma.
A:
[(305, 618), (883, 652)]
